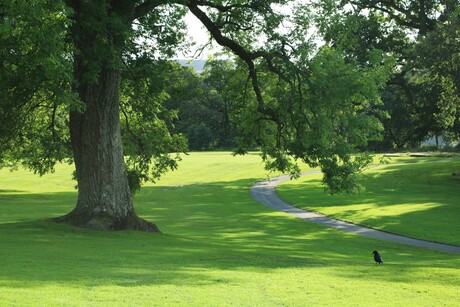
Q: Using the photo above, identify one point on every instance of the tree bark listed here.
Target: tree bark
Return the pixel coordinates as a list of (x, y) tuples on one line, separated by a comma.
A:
[(104, 199)]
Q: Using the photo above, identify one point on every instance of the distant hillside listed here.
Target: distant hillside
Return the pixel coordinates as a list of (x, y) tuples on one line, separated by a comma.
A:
[(198, 65)]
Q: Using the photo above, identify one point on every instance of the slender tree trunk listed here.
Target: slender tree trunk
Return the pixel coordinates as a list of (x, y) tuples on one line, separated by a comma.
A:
[(104, 199)]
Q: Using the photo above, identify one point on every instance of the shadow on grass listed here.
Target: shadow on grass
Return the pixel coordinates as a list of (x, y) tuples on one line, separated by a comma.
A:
[(420, 201), (10, 191), (208, 229)]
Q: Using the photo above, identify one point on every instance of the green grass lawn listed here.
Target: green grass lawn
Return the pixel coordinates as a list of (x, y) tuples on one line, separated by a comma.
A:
[(218, 248), (418, 199)]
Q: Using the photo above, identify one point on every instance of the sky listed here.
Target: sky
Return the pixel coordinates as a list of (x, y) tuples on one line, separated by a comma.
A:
[(200, 35)]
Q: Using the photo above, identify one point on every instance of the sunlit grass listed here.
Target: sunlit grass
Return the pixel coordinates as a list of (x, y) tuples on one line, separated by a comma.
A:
[(218, 248), (418, 199)]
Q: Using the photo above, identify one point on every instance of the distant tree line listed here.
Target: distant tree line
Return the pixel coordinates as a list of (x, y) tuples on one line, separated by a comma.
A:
[(203, 105), (421, 99)]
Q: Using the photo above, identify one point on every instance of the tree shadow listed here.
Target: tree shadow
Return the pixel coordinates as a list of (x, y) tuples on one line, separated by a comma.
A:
[(207, 228), (10, 191), (420, 203)]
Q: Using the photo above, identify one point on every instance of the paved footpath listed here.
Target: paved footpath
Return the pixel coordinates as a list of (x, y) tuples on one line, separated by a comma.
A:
[(264, 193)]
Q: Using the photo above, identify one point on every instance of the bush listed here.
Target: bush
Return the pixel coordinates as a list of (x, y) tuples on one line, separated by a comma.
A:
[(199, 137)]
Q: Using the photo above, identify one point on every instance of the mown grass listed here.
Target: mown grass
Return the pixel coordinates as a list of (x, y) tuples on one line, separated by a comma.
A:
[(218, 248), (418, 199)]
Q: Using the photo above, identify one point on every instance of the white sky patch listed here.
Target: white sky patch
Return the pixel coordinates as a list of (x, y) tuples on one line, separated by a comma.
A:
[(197, 33), (204, 47)]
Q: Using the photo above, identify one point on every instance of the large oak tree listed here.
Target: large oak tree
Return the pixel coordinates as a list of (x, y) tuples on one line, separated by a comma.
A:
[(85, 79)]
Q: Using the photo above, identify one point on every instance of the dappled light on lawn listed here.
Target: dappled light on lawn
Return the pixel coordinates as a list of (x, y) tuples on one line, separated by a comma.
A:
[(418, 199), (219, 247)]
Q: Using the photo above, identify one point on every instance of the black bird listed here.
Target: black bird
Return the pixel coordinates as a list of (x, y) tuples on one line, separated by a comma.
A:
[(377, 257)]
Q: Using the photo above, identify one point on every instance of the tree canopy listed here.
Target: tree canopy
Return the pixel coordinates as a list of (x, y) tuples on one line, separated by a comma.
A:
[(87, 82), (421, 97)]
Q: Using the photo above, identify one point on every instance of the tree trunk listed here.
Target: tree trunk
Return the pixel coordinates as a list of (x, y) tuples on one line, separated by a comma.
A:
[(104, 199)]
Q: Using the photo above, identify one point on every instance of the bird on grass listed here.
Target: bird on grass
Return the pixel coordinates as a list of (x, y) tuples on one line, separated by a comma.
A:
[(377, 257)]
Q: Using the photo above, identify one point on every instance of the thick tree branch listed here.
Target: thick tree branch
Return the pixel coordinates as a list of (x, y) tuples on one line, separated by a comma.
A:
[(223, 8), (246, 56), (146, 7), (399, 14), (219, 37)]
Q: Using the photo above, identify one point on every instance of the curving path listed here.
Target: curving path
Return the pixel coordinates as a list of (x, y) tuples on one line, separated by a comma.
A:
[(264, 193)]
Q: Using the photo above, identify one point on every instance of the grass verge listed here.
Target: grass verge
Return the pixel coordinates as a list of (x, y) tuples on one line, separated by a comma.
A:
[(419, 199)]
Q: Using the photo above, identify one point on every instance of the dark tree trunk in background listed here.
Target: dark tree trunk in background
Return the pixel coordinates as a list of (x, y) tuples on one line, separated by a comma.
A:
[(104, 200)]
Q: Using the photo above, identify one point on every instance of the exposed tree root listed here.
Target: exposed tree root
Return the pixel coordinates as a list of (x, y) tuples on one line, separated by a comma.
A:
[(106, 222)]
